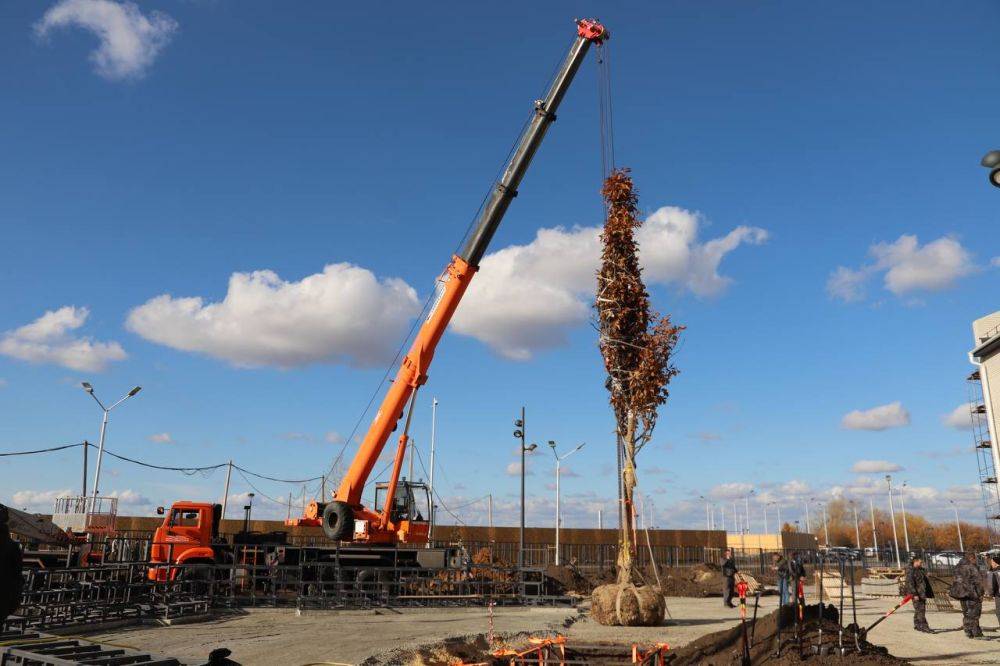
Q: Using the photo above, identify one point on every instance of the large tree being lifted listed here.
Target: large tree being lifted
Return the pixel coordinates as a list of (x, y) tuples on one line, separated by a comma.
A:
[(637, 345)]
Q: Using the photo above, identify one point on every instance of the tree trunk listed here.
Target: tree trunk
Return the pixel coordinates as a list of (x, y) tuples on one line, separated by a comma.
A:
[(626, 550)]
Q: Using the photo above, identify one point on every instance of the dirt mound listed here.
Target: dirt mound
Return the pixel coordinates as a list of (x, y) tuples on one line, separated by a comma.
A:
[(725, 648), (567, 580), (701, 580)]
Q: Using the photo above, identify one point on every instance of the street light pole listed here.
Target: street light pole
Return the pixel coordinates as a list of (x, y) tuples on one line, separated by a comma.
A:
[(519, 434), (958, 526), (430, 527), (765, 518), (808, 526), (826, 532), (871, 505), (892, 517), (746, 501), (857, 528), (906, 531), (559, 460), (104, 427)]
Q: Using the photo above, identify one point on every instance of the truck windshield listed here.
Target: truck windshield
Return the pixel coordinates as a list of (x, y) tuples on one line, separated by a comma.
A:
[(182, 518)]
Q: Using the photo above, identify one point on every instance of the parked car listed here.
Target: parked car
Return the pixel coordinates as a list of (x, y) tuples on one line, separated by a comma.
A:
[(946, 559)]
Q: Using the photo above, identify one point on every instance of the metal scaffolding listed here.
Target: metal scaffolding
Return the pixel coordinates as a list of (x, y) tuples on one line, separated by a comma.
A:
[(984, 455)]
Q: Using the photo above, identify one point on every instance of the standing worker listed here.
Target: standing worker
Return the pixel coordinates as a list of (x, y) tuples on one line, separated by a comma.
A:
[(919, 585), (786, 579), (11, 581), (729, 572), (968, 590), (993, 583), (797, 573)]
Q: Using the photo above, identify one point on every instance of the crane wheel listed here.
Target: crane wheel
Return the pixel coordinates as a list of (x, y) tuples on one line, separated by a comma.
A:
[(338, 521)]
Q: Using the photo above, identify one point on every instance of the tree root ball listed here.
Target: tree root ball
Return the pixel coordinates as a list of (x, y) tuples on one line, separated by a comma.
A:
[(627, 605)]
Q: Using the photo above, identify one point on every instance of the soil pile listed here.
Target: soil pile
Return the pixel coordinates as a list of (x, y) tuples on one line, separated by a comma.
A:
[(701, 580), (725, 648), (567, 580)]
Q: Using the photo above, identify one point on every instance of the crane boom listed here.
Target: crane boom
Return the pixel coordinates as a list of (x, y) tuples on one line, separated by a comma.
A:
[(412, 373)]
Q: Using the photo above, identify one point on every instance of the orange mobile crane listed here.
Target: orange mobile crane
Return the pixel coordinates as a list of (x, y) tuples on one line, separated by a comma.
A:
[(396, 518)]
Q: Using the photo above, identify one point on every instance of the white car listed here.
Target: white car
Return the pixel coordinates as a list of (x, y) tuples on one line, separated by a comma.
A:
[(946, 559)]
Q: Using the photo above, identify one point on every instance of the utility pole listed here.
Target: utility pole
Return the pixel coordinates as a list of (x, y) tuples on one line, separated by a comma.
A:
[(489, 512), (225, 493), (906, 531), (765, 518), (778, 507), (826, 532), (808, 526), (289, 515), (958, 526), (871, 505), (736, 518), (430, 529), (746, 500), (600, 520), (892, 517), (86, 445), (722, 515)]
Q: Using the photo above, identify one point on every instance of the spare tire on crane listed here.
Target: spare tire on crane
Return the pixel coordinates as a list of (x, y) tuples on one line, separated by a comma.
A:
[(338, 521)]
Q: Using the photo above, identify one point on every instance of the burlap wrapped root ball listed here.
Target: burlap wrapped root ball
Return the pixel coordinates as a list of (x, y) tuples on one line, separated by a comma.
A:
[(627, 605)]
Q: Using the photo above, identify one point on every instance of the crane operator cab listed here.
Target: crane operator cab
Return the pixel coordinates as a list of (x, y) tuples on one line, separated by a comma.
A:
[(410, 501)]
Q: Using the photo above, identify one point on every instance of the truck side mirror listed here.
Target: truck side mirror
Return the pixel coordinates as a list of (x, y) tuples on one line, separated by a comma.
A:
[(159, 510)]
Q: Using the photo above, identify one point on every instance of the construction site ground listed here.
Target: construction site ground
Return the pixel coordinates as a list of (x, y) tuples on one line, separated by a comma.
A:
[(280, 636)]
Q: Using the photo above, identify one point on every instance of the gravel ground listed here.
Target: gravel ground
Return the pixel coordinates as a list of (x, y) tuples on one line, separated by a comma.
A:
[(269, 636)]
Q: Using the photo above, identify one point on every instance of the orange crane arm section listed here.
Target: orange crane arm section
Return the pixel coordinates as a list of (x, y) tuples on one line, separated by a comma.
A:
[(412, 373)]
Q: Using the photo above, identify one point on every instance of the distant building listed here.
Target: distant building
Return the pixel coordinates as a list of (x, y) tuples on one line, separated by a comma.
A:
[(985, 407)]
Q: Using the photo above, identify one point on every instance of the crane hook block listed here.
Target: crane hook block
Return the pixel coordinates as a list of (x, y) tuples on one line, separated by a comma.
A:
[(592, 30)]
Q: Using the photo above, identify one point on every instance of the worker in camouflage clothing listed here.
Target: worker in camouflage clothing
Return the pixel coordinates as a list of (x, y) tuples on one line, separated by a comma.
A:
[(968, 590), (919, 585)]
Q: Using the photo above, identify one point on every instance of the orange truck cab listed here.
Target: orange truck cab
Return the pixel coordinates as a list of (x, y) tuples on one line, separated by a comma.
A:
[(189, 534)]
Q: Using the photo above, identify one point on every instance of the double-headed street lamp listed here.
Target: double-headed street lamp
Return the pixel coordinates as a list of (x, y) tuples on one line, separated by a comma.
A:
[(559, 460), (519, 434), (104, 427)]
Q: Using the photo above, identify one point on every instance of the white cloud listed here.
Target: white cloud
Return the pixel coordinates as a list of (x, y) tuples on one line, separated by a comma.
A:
[(995, 262), (130, 497), (528, 297), (333, 437), (907, 267), (3, 383), (959, 418), (514, 469), (48, 339), (342, 315), (730, 491), (892, 415), (875, 467), (38, 500), (161, 438), (129, 39)]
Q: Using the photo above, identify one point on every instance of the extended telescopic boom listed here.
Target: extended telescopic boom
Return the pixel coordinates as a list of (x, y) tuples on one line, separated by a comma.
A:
[(450, 289)]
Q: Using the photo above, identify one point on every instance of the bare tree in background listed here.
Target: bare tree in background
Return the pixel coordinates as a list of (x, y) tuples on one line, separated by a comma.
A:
[(637, 345)]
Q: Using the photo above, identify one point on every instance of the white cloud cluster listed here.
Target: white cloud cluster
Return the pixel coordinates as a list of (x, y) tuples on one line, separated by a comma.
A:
[(49, 339), (907, 267), (959, 418), (730, 491), (875, 467), (129, 497), (129, 39), (161, 438), (342, 315), (882, 417), (38, 500), (528, 297)]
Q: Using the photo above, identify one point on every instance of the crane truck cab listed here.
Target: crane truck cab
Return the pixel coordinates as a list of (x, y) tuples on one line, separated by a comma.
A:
[(189, 534)]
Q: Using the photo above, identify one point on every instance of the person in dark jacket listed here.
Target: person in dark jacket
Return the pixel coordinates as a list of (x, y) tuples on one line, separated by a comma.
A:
[(797, 572), (729, 573), (967, 588), (919, 585), (993, 583), (787, 579), (11, 581)]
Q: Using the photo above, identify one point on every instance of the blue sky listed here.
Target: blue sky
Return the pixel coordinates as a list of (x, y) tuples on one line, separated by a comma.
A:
[(153, 152)]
